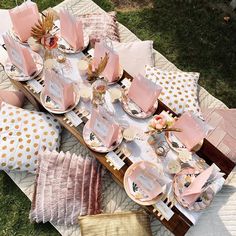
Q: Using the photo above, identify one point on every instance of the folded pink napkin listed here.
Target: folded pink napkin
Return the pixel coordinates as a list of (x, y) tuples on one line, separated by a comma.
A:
[(59, 89), (19, 56), (111, 71), (105, 128), (15, 98), (71, 30), (23, 18), (192, 193), (191, 131), (146, 181), (144, 92)]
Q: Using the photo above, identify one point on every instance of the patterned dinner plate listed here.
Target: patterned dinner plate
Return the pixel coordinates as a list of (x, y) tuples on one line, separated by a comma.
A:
[(52, 107), (133, 191), (134, 110), (182, 180), (95, 144), (65, 47), (176, 145), (14, 73)]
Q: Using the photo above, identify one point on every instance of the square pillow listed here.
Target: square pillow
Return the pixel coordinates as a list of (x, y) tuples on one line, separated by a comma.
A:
[(116, 224), (15, 98), (23, 135), (179, 91), (67, 186), (101, 25), (134, 56)]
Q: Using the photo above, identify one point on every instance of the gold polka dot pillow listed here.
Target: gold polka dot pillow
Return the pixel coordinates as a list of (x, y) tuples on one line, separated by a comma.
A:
[(23, 135), (179, 89)]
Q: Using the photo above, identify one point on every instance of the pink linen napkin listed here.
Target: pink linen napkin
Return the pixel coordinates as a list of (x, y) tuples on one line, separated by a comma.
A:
[(15, 98), (19, 56), (105, 128), (59, 89), (23, 18), (146, 181), (144, 92), (111, 71), (191, 131), (194, 190), (71, 30)]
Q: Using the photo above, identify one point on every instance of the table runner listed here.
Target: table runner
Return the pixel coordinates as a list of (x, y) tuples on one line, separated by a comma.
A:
[(206, 100)]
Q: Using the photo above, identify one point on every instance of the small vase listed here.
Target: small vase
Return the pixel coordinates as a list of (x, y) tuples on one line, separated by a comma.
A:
[(99, 88), (50, 54)]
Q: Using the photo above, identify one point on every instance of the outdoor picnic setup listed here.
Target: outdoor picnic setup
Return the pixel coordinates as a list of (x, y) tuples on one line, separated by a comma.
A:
[(102, 133)]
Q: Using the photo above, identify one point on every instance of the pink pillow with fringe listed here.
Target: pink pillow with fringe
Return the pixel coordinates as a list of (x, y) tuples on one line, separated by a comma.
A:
[(67, 186)]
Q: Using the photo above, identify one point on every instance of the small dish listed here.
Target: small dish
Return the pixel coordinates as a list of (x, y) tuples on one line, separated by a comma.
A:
[(95, 144), (134, 110), (65, 47), (182, 180), (53, 108), (16, 74), (133, 190)]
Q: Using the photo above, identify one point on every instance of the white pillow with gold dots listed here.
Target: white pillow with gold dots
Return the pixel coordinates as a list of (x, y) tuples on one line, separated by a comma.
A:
[(179, 89), (23, 135)]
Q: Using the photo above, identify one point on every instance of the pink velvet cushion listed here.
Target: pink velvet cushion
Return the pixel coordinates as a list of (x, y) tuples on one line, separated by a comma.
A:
[(101, 25), (15, 98), (135, 55), (67, 186)]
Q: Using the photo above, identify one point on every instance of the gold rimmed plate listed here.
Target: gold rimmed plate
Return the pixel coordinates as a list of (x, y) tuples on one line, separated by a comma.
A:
[(134, 110), (65, 47), (52, 107), (95, 144), (16, 74)]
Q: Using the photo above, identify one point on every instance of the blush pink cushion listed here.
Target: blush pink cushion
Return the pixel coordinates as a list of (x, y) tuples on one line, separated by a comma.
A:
[(23, 17), (15, 98), (135, 55), (20, 56), (191, 131), (71, 30), (144, 92), (111, 71)]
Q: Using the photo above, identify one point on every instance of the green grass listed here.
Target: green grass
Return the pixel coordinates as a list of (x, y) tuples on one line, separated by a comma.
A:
[(192, 35)]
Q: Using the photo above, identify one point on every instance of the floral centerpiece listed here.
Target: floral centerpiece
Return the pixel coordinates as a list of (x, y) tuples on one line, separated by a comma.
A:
[(41, 33), (160, 123)]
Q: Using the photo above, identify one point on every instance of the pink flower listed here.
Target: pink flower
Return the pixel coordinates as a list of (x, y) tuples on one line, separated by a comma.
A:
[(158, 122), (49, 41)]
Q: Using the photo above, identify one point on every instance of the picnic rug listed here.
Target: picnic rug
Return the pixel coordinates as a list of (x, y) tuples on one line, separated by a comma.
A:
[(218, 219)]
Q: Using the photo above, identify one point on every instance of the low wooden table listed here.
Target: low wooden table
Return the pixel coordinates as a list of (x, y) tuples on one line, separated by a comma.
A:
[(179, 224)]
